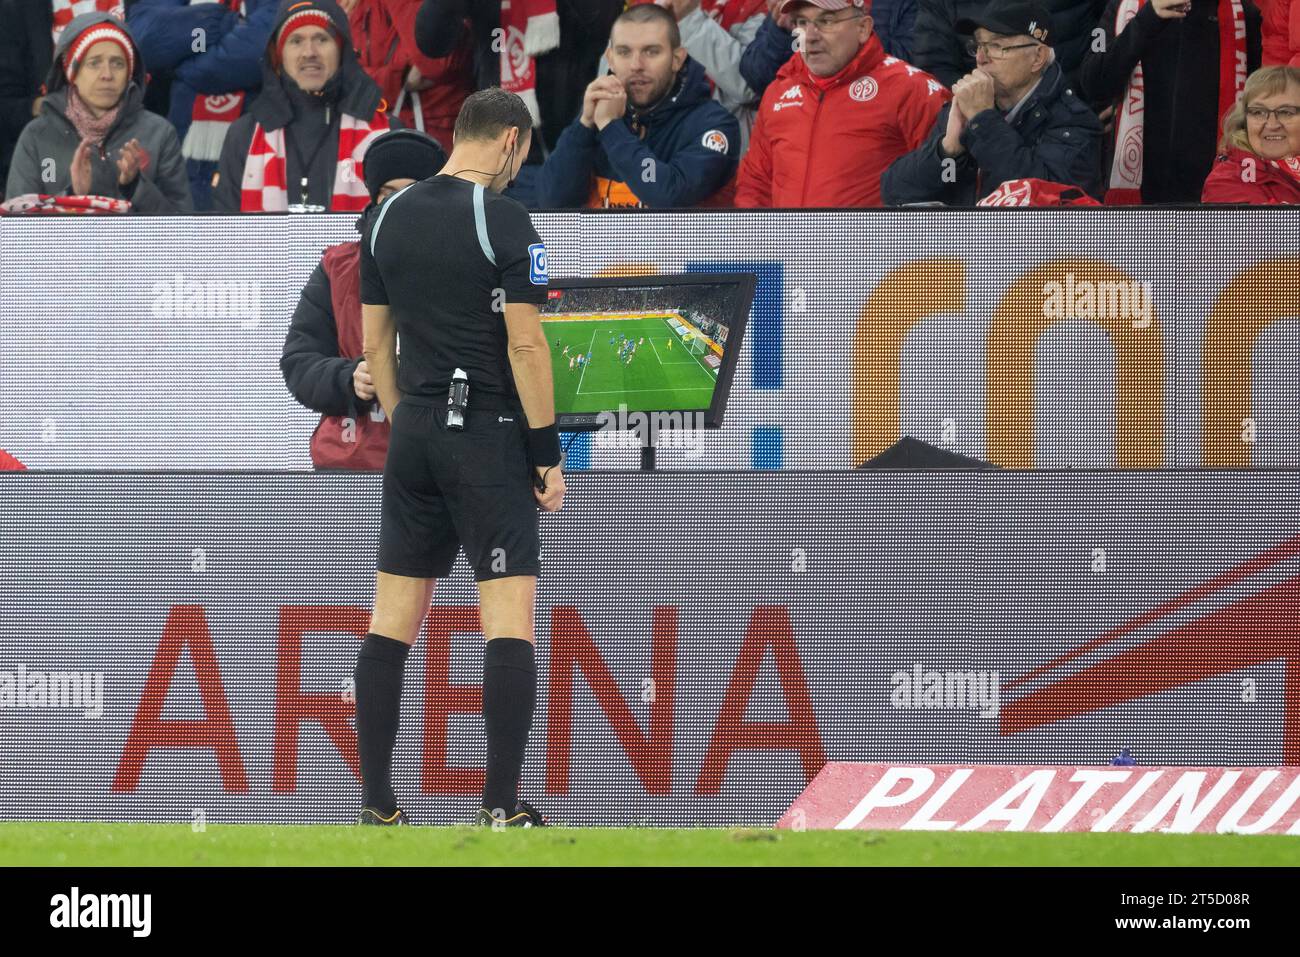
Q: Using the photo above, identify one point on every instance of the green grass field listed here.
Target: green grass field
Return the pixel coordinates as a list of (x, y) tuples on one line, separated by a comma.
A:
[(658, 378), (96, 845)]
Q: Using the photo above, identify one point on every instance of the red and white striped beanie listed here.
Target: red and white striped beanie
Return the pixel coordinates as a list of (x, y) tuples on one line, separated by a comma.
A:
[(89, 37)]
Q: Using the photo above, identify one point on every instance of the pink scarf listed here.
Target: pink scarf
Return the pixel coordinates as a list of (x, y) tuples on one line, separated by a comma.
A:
[(89, 126)]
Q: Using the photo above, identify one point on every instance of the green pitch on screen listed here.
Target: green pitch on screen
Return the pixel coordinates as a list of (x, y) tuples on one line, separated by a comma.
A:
[(659, 377)]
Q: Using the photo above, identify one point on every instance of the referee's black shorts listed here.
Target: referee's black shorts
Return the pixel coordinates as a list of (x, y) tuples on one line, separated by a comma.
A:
[(444, 489)]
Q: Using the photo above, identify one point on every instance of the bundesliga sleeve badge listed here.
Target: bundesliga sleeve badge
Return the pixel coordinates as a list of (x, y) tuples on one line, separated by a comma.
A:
[(537, 264)]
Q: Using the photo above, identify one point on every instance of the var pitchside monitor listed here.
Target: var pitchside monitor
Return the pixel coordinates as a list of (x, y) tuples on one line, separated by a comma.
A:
[(645, 344)]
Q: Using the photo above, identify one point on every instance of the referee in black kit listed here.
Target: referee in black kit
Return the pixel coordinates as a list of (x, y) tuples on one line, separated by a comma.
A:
[(459, 272)]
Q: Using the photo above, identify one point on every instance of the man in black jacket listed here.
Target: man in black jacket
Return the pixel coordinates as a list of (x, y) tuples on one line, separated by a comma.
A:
[(1174, 133), (937, 48), (1012, 118), (562, 73), (301, 145), (26, 51)]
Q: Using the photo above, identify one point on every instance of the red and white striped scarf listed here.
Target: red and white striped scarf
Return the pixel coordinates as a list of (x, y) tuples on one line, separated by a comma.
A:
[(1125, 185), (40, 203), (1288, 167), (725, 13), (212, 116), (210, 119), (728, 13), (265, 190), (66, 10), (529, 28)]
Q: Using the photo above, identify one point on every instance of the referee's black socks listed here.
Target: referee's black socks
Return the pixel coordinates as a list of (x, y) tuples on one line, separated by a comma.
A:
[(379, 698), (509, 694)]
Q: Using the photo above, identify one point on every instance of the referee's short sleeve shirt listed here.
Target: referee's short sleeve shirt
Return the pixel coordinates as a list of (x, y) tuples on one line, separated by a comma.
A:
[(446, 271)]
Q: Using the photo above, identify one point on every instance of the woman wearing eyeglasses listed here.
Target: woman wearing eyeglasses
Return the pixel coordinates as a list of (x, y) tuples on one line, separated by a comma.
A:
[(1259, 159)]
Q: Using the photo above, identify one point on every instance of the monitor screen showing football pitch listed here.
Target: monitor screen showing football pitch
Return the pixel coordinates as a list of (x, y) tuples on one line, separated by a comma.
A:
[(645, 344)]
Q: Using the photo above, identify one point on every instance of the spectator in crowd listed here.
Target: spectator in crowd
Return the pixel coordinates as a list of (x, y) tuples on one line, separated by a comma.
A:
[(322, 362), (93, 136), (1012, 118), (893, 22), (545, 51), (424, 94), (1172, 69), (770, 50), (301, 146), (939, 49), (715, 34), (1280, 27), (26, 50), (936, 46), (212, 81), (720, 34), (1259, 157), (838, 114), (649, 135)]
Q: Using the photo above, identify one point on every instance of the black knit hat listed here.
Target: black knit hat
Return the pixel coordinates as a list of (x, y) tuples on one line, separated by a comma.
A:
[(401, 154)]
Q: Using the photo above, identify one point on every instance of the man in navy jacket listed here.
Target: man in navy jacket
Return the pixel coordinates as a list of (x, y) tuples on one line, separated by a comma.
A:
[(650, 134), (1013, 117)]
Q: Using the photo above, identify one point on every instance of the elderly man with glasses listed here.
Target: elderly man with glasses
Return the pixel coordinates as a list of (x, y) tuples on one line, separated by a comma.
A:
[(1012, 118), (837, 114)]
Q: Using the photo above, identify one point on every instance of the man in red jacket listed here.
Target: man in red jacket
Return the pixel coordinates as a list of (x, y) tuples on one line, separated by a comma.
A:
[(837, 114), (322, 361)]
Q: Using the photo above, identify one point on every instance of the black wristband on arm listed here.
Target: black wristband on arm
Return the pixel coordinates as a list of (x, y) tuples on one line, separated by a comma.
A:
[(544, 446)]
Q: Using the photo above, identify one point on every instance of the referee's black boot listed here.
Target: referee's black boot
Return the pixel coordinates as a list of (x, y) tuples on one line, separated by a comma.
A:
[(370, 816), (525, 816)]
